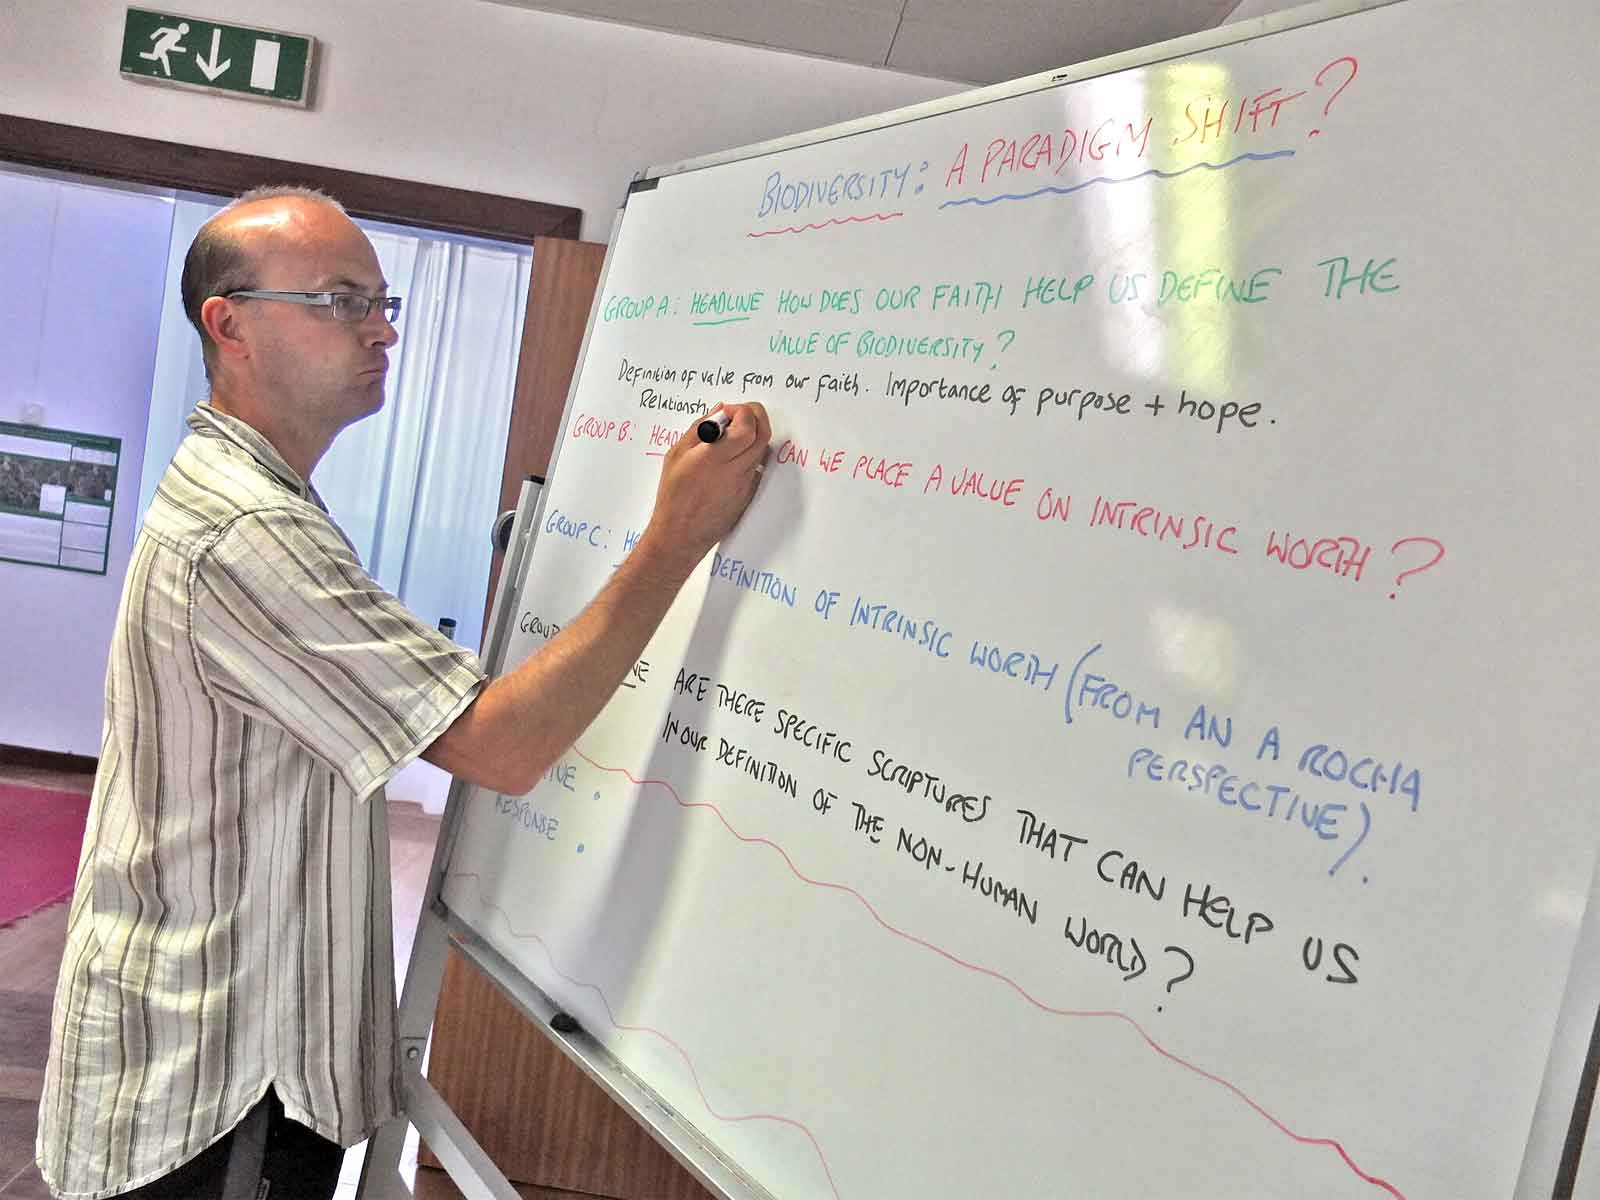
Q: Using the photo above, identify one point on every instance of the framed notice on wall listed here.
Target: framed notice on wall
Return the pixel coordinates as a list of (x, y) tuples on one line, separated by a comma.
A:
[(56, 492)]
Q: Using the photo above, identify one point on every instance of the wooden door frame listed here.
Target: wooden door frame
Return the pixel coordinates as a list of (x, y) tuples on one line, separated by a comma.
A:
[(149, 161), (566, 274)]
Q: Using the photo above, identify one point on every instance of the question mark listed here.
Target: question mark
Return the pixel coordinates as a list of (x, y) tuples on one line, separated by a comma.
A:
[(1179, 978), (1438, 553), (1007, 336), (1337, 90)]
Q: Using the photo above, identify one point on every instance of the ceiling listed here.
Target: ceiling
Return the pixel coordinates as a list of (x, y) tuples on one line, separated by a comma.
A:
[(970, 42)]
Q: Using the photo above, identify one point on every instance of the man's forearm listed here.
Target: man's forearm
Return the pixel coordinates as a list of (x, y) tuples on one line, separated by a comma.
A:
[(517, 726), (523, 721)]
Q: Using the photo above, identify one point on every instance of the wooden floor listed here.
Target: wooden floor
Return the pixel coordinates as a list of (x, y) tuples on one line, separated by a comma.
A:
[(31, 951)]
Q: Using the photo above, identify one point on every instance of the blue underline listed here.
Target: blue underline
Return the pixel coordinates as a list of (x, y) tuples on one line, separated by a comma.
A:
[(1078, 187)]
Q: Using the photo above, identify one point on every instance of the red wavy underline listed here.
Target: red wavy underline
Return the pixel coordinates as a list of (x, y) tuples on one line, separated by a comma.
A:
[(1016, 987), (825, 224), (653, 1032)]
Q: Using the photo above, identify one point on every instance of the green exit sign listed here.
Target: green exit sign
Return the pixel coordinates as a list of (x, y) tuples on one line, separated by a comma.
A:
[(191, 52)]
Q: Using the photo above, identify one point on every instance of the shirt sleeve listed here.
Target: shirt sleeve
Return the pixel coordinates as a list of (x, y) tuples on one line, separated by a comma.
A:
[(288, 627)]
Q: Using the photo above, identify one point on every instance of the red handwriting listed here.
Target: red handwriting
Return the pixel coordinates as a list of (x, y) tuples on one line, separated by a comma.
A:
[(1207, 118), (1434, 554), (1344, 556), (789, 452), (867, 468), (600, 429), (1145, 520), (1051, 507), (1204, 120), (829, 461), (965, 481), (1047, 150), (890, 473)]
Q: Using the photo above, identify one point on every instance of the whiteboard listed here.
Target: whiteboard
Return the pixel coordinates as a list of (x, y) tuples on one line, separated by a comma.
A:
[(1137, 742)]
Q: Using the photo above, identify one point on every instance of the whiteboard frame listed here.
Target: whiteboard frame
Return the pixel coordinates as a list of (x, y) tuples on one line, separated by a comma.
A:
[(1563, 1118)]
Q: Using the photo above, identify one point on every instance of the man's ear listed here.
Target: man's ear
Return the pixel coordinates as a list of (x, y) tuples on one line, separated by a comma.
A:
[(220, 316)]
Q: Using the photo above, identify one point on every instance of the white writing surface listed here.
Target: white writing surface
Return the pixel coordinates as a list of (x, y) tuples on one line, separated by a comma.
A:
[(1135, 743)]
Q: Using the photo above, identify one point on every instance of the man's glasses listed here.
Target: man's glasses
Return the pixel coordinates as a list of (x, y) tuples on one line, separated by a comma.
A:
[(346, 306)]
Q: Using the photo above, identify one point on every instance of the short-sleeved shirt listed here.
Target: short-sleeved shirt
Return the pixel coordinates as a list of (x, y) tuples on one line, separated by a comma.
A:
[(230, 927)]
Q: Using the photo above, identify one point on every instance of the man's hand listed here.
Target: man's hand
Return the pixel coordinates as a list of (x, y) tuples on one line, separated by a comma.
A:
[(520, 723), (705, 488)]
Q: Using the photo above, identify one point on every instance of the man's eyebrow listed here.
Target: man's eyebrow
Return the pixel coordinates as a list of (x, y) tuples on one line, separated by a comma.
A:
[(345, 284)]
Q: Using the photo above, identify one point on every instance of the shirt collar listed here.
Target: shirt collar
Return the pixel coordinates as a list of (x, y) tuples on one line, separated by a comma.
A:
[(209, 422)]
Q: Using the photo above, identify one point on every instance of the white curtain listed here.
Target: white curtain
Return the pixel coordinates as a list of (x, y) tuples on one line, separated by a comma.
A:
[(180, 375), (417, 486)]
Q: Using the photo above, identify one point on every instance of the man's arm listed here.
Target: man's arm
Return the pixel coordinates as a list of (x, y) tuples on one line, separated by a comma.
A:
[(521, 722)]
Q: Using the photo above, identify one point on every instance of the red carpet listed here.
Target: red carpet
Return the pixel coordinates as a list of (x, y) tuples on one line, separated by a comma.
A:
[(41, 831)]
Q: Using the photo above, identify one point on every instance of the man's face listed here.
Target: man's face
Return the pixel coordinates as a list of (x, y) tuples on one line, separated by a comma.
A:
[(318, 372)]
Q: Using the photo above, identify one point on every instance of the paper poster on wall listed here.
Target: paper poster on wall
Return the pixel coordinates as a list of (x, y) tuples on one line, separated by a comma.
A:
[(57, 489)]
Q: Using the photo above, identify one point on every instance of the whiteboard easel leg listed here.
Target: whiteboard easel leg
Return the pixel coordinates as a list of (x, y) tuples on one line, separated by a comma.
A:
[(380, 1170), (469, 1167)]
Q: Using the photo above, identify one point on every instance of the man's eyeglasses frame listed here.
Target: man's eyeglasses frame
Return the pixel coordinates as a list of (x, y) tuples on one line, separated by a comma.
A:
[(346, 306)]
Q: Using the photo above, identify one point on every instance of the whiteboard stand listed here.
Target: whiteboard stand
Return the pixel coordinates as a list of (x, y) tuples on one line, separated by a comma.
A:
[(439, 930), (464, 1159)]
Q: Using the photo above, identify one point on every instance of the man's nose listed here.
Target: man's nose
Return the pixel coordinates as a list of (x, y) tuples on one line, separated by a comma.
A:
[(379, 331)]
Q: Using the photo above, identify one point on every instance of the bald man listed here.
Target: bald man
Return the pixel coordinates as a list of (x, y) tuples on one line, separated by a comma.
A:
[(224, 1018)]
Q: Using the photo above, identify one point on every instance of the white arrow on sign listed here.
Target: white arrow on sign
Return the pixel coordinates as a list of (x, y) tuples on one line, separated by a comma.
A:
[(211, 68)]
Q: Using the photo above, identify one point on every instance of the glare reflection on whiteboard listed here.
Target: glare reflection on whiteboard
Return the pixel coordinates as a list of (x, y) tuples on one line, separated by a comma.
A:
[(1118, 219), (1200, 650), (1563, 907), (1195, 234)]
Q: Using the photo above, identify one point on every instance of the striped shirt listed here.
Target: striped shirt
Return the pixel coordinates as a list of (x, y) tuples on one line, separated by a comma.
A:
[(230, 928)]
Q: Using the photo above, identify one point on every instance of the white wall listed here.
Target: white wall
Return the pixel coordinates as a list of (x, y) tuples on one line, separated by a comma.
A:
[(465, 93), (81, 271)]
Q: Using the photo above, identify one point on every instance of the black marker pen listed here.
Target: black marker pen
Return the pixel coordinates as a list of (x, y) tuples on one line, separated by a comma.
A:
[(713, 426)]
